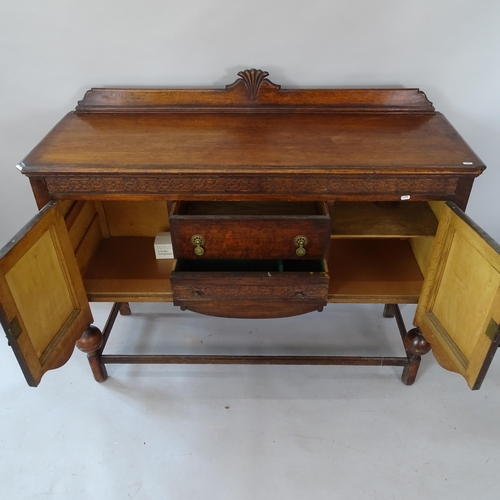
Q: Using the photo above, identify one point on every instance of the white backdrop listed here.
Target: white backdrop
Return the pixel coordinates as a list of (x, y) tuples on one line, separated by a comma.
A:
[(52, 51)]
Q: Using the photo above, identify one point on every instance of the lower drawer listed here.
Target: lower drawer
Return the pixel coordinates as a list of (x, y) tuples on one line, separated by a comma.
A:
[(250, 288)]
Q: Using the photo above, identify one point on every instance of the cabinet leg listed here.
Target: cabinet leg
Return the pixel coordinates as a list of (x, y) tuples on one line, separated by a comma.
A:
[(416, 346), (125, 309), (91, 342), (388, 311)]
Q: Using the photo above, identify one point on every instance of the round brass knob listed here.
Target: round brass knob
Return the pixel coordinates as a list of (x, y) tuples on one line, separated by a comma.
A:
[(198, 240), (300, 241)]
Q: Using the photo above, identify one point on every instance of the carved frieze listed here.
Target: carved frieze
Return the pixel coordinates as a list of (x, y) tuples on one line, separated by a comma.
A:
[(251, 184)]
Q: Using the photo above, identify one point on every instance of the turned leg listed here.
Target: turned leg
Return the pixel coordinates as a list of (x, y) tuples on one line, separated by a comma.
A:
[(388, 311), (90, 342), (416, 346), (125, 309)]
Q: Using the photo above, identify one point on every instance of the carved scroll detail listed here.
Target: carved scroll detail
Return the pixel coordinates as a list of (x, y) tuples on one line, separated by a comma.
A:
[(253, 79)]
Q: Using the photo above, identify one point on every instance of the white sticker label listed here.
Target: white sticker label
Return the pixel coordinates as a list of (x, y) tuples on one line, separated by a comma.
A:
[(163, 246), (164, 251), (405, 197), (468, 162)]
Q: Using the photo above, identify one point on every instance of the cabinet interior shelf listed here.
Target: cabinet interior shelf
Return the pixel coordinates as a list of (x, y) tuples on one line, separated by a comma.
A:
[(125, 269), (369, 270), (387, 219), (360, 269)]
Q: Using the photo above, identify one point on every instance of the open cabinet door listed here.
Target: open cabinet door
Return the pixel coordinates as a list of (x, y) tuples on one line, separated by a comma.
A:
[(459, 307), (43, 304)]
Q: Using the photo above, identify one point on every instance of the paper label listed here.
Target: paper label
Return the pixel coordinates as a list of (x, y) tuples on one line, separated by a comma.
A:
[(163, 246), (164, 251)]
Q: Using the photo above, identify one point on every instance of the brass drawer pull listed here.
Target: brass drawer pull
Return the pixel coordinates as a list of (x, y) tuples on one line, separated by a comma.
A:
[(198, 240), (300, 241)]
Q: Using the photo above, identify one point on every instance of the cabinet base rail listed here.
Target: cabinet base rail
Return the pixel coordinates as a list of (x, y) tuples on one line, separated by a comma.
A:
[(413, 341), (251, 360)]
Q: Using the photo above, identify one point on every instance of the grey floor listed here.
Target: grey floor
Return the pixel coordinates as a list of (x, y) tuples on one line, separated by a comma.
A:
[(248, 432)]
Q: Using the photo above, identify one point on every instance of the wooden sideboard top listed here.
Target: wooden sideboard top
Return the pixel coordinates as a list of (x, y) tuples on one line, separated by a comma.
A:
[(271, 142), (252, 127), (253, 141)]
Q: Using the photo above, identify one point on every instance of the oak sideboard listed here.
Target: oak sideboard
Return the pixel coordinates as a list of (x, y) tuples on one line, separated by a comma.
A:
[(278, 202)]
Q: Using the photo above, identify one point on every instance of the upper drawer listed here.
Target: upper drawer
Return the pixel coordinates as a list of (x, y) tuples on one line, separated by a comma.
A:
[(250, 230)]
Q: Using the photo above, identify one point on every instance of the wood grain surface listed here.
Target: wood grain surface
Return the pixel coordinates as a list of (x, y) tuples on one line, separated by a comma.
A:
[(141, 143)]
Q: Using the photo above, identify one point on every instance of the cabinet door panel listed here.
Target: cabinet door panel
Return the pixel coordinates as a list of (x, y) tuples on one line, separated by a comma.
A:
[(43, 304), (459, 308)]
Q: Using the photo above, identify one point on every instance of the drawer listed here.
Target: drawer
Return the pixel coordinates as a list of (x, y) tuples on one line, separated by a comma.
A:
[(250, 230), (250, 288)]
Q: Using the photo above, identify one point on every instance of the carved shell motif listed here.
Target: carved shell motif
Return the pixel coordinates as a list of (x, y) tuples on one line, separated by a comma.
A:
[(253, 79)]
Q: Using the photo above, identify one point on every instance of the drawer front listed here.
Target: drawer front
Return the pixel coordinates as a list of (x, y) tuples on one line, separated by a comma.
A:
[(244, 236), (249, 294)]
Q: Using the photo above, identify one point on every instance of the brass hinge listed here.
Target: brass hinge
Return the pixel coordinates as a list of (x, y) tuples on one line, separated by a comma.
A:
[(493, 330), (15, 328)]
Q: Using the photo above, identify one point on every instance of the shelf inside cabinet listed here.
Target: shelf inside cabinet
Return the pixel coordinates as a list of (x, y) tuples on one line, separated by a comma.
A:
[(368, 270), (126, 269), (382, 219)]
